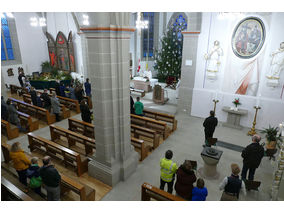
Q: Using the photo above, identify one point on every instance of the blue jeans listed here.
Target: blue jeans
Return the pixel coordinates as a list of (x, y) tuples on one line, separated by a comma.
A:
[(251, 172), (22, 176)]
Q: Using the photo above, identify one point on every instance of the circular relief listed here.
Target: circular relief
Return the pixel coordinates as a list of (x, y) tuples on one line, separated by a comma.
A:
[(248, 37)]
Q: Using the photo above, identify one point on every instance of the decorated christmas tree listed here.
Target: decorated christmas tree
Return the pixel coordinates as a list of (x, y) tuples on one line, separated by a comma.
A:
[(168, 58)]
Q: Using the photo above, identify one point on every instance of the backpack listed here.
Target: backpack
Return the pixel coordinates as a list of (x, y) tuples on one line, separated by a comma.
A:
[(35, 182)]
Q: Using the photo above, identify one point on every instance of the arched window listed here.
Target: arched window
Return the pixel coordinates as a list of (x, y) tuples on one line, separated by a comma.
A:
[(148, 35), (179, 25), (6, 41)]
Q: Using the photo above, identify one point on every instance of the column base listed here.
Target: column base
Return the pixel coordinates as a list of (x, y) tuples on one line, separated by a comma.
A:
[(116, 172)]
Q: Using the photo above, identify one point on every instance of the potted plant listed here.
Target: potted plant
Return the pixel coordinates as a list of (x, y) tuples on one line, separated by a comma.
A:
[(271, 137)]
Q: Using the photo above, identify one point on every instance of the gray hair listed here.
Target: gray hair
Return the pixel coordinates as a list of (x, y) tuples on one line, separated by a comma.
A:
[(256, 138)]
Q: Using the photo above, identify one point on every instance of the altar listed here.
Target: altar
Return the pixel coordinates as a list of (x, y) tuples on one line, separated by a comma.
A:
[(145, 81), (234, 117)]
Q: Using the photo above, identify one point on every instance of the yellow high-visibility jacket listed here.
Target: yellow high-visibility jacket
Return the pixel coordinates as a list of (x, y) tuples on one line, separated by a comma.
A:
[(168, 169)]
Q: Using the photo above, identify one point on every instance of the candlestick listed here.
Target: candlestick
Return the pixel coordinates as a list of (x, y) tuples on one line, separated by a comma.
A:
[(215, 101), (252, 130)]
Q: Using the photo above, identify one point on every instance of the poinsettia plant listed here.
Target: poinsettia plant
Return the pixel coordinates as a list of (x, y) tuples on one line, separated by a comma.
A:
[(236, 102)]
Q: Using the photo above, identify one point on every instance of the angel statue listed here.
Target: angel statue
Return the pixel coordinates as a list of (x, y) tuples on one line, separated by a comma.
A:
[(276, 66), (213, 58)]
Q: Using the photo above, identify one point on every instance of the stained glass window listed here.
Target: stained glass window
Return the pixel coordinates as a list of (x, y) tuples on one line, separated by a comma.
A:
[(148, 35), (179, 25), (5, 36)]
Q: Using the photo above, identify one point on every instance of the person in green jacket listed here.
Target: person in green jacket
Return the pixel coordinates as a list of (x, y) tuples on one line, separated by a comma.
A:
[(168, 170), (138, 106)]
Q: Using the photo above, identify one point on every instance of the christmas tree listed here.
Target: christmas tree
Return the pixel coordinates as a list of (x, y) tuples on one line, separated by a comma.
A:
[(168, 58)]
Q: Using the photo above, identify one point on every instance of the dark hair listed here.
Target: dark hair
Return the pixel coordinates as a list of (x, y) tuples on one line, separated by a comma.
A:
[(200, 183), (169, 154), (138, 98), (187, 165), (8, 102), (46, 160), (87, 79), (212, 113)]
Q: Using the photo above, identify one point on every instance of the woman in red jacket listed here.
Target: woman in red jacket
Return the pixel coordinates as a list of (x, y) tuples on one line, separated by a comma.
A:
[(185, 180)]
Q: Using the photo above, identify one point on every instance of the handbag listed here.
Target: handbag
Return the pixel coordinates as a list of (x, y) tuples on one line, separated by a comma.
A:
[(35, 182)]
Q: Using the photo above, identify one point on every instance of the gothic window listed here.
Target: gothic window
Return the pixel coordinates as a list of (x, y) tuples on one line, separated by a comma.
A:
[(6, 41), (148, 35), (62, 52), (179, 25)]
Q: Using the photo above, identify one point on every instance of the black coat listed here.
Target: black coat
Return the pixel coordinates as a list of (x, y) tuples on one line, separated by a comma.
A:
[(33, 97), (210, 123), (46, 99), (50, 176), (57, 88), (252, 155), (132, 111), (85, 113)]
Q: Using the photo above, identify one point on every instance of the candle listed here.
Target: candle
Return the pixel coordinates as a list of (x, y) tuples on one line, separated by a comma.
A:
[(257, 102), (216, 95)]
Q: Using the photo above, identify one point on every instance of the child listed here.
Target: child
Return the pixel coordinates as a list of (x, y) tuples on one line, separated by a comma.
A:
[(33, 174), (200, 192)]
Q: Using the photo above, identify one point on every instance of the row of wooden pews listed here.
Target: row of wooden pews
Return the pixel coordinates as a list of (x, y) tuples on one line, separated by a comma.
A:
[(14, 89), (67, 184)]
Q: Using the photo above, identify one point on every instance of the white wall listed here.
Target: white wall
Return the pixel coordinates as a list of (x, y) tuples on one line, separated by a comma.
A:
[(64, 22), (272, 107), (33, 47)]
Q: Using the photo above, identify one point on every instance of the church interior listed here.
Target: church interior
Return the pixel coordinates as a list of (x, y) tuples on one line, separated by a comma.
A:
[(181, 65)]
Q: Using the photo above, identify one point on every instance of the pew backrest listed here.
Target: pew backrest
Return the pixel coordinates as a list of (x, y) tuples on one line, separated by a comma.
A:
[(81, 127), (10, 130), (146, 132)]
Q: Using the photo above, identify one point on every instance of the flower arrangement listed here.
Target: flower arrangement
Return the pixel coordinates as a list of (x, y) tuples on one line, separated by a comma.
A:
[(236, 102)]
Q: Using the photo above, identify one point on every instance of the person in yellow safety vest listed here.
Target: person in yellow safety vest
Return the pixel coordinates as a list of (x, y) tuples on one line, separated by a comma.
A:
[(168, 170)]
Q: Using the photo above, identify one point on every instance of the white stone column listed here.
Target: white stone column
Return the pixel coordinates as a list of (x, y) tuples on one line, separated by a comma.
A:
[(107, 59), (3, 88)]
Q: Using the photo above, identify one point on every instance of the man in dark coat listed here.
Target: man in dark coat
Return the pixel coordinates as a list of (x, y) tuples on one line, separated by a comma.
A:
[(20, 79), (85, 112), (57, 87), (4, 109), (46, 100), (33, 96), (252, 156), (132, 110), (209, 126)]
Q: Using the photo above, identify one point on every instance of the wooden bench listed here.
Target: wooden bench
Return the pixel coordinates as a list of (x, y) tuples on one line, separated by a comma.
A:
[(142, 92), (86, 193), (68, 102), (10, 130), (141, 147), (6, 152), (146, 132), (69, 157), (81, 127), (89, 100), (159, 126), (10, 191), (65, 113), (73, 138), (148, 191), (28, 122), (161, 117), (35, 111), (14, 89)]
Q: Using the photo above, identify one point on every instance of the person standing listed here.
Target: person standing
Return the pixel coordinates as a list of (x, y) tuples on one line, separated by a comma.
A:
[(62, 89), (87, 87), (232, 185), (185, 180), (79, 93), (72, 92), (20, 78), (55, 106), (20, 162), (209, 126), (46, 100), (138, 106), (132, 111), (4, 109), (57, 87), (199, 193), (85, 111), (33, 175), (13, 115), (51, 179), (168, 170), (252, 156), (33, 96)]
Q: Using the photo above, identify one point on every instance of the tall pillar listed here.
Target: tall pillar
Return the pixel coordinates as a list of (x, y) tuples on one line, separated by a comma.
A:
[(3, 88), (107, 59)]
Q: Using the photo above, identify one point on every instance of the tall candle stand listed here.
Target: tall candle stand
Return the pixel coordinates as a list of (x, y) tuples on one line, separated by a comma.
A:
[(215, 102), (252, 130)]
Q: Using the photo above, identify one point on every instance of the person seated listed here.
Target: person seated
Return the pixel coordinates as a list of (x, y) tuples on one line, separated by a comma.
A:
[(185, 180), (46, 100), (72, 92), (67, 92), (85, 111), (138, 106), (13, 116), (38, 100), (62, 89)]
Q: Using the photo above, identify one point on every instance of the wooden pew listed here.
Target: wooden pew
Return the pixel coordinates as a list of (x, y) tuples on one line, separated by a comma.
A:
[(142, 148), (10, 130), (86, 193), (65, 113), (146, 132), (28, 122), (68, 102), (8, 189), (67, 184), (73, 138), (148, 191), (14, 88), (142, 92), (159, 126), (81, 127), (53, 149), (34, 111), (89, 100), (161, 117)]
